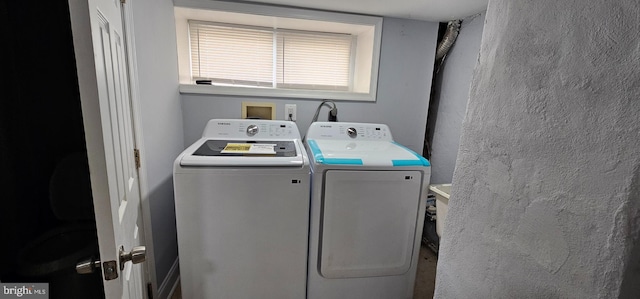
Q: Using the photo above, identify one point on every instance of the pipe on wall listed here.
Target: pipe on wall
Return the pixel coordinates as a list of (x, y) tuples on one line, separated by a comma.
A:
[(449, 38)]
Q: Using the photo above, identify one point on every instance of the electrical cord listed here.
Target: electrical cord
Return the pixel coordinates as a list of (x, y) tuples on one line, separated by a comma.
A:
[(333, 113)]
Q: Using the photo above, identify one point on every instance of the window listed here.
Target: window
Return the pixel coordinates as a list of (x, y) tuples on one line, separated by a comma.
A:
[(256, 50), (313, 60), (257, 56), (232, 55)]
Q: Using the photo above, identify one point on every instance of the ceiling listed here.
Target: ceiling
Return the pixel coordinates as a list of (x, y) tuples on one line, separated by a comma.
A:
[(426, 10)]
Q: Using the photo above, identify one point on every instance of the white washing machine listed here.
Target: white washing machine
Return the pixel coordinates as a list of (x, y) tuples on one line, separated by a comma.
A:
[(367, 210), (242, 211)]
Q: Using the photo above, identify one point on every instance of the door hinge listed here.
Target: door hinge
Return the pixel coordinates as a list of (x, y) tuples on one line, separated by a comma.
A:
[(136, 154), (149, 291)]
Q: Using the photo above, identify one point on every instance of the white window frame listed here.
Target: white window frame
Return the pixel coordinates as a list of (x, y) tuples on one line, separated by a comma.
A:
[(367, 57)]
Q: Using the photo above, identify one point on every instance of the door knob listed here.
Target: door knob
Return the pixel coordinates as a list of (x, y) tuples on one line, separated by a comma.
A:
[(87, 266), (138, 254)]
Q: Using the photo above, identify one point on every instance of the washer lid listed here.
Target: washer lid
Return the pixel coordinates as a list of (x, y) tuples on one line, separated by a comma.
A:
[(363, 153), (243, 153)]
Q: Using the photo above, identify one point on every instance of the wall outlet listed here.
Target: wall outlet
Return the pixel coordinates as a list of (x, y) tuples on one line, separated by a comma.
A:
[(290, 112)]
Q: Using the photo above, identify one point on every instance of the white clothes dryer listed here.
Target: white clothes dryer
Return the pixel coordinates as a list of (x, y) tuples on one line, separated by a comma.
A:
[(367, 210), (242, 211)]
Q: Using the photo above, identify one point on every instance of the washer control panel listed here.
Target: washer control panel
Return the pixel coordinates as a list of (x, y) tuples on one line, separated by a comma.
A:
[(251, 128), (349, 131)]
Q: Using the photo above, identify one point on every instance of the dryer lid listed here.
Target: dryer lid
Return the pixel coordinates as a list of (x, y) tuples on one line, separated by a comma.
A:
[(363, 153)]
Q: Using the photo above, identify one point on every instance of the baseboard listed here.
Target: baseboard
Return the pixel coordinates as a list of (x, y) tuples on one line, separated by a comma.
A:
[(170, 282)]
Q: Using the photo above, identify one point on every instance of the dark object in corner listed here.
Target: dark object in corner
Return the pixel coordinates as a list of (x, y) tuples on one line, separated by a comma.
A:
[(429, 234), (203, 82)]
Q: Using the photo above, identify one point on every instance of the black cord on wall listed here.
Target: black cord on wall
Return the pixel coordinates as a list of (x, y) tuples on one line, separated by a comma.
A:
[(333, 113)]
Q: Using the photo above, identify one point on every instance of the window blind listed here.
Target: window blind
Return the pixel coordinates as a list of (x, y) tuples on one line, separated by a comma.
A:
[(231, 55), (313, 60), (256, 56)]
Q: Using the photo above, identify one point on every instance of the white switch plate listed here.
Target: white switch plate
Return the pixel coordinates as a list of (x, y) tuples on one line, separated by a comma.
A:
[(290, 109)]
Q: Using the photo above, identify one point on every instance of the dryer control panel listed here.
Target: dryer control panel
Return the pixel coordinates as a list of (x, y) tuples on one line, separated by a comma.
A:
[(251, 129), (349, 131)]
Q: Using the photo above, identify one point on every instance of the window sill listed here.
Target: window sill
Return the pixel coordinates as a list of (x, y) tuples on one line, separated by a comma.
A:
[(276, 93)]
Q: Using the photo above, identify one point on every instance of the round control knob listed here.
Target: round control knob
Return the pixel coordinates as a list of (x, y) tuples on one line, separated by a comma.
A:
[(352, 132), (252, 130)]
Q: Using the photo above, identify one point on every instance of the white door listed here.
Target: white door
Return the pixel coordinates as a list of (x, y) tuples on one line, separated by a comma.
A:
[(99, 45)]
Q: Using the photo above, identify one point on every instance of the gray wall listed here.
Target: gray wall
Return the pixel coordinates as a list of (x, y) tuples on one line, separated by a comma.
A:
[(451, 96), (161, 121), (403, 93), (546, 191), (406, 66)]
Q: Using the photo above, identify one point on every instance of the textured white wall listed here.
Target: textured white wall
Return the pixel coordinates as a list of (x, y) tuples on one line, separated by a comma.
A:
[(546, 196), (452, 93)]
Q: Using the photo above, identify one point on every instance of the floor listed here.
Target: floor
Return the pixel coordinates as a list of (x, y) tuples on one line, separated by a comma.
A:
[(425, 278)]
